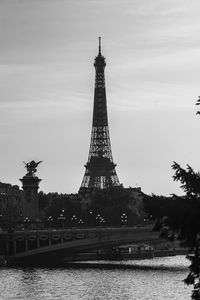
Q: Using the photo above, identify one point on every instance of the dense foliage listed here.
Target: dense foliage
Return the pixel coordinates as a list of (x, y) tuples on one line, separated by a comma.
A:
[(181, 215), (112, 207), (115, 203), (191, 185)]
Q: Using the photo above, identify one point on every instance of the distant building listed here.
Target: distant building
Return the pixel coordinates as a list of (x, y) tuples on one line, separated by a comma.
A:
[(10, 196)]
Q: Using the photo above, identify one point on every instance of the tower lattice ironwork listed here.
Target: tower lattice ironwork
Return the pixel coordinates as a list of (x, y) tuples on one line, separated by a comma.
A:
[(100, 170)]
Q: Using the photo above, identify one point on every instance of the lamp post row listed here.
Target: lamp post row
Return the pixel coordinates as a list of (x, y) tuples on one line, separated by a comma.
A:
[(74, 220)]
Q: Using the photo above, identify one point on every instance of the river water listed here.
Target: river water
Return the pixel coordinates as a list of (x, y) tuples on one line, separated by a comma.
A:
[(150, 279)]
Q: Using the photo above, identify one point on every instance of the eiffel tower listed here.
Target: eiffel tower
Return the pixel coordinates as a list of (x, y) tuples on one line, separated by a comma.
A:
[(100, 170)]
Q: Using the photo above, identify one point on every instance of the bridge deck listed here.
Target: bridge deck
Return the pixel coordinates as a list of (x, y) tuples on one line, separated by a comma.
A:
[(48, 245)]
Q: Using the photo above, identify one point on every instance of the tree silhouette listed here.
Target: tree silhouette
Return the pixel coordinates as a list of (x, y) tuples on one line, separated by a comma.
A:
[(190, 229), (198, 103)]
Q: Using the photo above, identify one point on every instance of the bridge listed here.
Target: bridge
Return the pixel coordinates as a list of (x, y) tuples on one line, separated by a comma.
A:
[(48, 247)]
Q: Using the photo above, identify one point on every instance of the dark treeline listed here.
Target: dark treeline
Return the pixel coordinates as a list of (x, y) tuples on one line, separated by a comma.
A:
[(179, 217), (179, 214), (111, 207)]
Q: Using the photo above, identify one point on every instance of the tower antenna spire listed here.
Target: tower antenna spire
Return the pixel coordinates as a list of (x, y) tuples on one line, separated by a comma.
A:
[(99, 45)]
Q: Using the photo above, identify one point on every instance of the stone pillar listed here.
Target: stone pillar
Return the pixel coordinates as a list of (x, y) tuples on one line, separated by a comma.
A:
[(30, 185)]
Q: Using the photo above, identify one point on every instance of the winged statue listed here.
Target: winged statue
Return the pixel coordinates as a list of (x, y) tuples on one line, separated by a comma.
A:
[(32, 167)]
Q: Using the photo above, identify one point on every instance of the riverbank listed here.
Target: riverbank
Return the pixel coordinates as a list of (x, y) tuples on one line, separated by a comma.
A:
[(95, 256)]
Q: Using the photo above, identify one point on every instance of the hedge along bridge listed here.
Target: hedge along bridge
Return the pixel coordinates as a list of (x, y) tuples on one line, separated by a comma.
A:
[(47, 247)]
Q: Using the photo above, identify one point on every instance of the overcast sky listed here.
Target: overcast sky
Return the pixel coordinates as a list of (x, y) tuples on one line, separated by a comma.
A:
[(47, 50)]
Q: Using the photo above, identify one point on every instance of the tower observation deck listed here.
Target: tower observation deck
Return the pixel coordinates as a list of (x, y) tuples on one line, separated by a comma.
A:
[(100, 170)]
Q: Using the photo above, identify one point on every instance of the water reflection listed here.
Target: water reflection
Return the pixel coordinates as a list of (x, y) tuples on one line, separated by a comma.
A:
[(155, 279)]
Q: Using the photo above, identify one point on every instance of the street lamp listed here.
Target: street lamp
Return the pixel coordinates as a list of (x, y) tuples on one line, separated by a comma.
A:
[(97, 218), (50, 220), (100, 220), (90, 219), (80, 222), (124, 219), (74, 219), (62, 218), (26, 221)]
